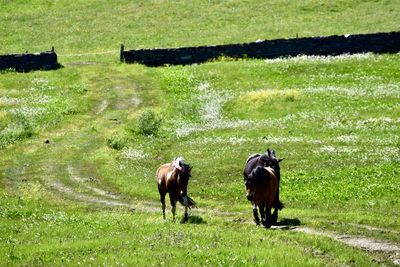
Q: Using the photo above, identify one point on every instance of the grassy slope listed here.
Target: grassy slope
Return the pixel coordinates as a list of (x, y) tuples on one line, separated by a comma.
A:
[(97, 26), (312, 171), (335, 121)]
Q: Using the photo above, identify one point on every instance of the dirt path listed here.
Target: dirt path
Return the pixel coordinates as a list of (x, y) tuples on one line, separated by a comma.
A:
[(103, 105), (78, 187), (62, 188), (85, 183), (376, 229), (360, 242)]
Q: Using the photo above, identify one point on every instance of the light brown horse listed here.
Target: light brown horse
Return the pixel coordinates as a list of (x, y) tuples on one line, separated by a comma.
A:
[(173, 178), (261, 188)]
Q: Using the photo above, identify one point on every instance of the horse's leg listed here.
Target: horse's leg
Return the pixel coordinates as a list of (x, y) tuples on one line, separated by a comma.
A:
[(262, 213), (162, 199), (277, 203), (277, 206), (274, 217), (162, 189), (185, 203), (268, 220), (173, 207), (255, 214)]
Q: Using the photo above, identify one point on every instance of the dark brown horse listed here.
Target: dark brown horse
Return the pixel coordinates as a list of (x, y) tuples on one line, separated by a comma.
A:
[(267, 159), (173, 178), (261, 187)]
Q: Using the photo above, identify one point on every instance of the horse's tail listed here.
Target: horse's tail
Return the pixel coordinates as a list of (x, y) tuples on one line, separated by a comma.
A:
[(191, 202), (279, 205)]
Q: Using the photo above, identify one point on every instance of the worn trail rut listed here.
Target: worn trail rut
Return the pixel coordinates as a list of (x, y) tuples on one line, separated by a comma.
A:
[(364, 243)]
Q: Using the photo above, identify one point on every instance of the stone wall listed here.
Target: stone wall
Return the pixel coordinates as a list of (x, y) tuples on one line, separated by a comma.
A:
[(27, 62), (330, 45)]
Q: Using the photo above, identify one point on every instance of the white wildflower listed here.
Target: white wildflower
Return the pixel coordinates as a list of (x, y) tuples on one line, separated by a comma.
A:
[(40, 99), (321, 59), (39, 81), (40, 84), (5, 100), (133, 154), (378, 91), (203, 86), (347, 138), (29, 112), (328, 149)]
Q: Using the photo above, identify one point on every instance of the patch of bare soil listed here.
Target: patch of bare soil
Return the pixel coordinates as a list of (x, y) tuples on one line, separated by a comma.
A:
[(85, 182), (375, 229), (365, 243), (100, 197), (126, 101), (103, 105), (59, 186)]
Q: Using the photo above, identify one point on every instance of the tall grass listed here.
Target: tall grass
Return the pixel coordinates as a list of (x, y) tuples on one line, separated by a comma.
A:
[(30, 103)]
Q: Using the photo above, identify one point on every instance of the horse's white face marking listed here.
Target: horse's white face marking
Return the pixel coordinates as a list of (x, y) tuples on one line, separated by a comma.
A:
[(177, 161), (159, 181)]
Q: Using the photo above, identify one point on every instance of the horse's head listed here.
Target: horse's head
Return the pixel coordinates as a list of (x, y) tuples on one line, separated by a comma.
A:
[(271, 160), (183, 171)]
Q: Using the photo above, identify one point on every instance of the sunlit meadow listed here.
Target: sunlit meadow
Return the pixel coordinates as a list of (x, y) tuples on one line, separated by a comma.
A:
[(77, 173)]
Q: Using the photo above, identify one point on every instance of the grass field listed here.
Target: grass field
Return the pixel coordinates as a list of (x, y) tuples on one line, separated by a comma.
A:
[(78, 178), (99, 26)]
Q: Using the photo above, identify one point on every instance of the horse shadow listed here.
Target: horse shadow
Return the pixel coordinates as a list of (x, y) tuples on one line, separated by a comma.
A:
[(193, 219), (287, 223)]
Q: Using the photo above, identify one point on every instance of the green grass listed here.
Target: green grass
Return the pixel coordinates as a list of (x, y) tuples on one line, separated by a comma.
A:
[(335, 120), (98, 26), (31, 103), (339, 140), (39, 235)]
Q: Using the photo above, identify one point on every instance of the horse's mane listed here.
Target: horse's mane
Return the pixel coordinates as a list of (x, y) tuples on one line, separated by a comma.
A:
[(252, 157), (191, 202), (179, 162)]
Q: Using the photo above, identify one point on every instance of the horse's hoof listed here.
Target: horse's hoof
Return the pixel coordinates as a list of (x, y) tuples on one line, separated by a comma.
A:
[(185, 219), (267, 226), (274, 219)]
